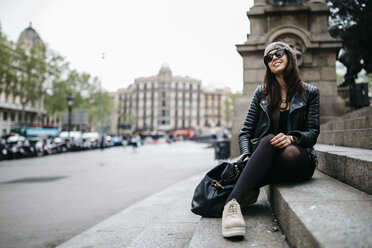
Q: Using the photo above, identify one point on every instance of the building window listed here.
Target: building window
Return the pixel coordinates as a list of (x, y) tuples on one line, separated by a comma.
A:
[(12, 116), (163, 94), (163, 113), (163, 103), (5, 116)]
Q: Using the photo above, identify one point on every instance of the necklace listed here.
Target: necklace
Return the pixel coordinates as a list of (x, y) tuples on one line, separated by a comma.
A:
[(284, 101)]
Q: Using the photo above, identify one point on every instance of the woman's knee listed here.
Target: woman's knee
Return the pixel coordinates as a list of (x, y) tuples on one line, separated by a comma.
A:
[(267, 138), (291, 153)]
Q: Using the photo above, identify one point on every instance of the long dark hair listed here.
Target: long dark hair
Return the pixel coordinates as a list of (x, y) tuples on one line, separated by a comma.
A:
[(291, 76)]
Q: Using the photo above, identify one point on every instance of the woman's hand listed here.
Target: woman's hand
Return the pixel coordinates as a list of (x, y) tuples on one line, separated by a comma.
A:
[(281, 140)]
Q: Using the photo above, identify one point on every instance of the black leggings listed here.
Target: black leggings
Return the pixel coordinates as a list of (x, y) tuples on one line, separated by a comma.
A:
[(269, 164)]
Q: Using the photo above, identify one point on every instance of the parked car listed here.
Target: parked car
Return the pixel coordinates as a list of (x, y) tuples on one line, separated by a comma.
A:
[(59, 145), (38, 145), (16, 147), (3, 149), (117, 141)]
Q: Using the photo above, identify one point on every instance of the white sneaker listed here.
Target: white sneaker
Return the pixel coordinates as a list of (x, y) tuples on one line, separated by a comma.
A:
[(232, 220)]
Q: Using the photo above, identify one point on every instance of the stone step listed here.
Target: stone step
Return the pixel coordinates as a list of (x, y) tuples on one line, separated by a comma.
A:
[(360, 138), (161, 220), (352, 166), (363, 122), (322, 212), (358, 113), (261, 229)]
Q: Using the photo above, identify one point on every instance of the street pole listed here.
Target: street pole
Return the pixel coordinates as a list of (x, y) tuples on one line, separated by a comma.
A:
[(70, 102), (100, 106), (119, 114), (69, 121)]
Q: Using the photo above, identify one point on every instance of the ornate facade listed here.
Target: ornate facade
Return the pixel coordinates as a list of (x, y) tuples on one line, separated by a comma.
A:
[(167, 102), (10, 101)]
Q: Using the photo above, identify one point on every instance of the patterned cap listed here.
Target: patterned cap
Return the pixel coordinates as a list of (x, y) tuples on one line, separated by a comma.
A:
[(280, 45)]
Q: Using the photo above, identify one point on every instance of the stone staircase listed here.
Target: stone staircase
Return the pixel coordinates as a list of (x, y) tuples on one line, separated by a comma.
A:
[(334, 209), (351, 130)]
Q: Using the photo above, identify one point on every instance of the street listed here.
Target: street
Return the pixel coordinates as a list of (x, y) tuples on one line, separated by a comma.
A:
[(48, 200)]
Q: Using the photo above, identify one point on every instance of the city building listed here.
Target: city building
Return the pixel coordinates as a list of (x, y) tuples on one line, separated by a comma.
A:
[(166, 102), (15, 109)]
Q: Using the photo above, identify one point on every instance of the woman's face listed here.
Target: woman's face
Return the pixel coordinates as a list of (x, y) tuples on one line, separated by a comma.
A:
[(278, 65)]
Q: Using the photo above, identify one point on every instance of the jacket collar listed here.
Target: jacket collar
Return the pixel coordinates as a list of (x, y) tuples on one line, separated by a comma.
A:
[(296, 102), (264, 101)]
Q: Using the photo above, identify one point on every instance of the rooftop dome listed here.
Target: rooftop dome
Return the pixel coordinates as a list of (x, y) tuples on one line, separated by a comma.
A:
[(29, 37), (165, 70)]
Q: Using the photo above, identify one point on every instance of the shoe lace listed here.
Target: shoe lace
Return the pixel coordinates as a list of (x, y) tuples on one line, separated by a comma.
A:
[(233, 209)]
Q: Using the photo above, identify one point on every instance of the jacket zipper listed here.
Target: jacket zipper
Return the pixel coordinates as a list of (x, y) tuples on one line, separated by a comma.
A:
[(254, 141)]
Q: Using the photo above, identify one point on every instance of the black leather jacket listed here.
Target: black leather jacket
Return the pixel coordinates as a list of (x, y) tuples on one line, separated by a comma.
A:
[(303, 120)]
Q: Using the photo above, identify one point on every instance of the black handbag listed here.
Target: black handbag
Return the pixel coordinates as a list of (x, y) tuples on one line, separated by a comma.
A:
[(213, 190)]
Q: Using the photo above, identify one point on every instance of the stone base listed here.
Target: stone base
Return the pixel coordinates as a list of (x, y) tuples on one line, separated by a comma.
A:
[(241, 109), (344, 93)]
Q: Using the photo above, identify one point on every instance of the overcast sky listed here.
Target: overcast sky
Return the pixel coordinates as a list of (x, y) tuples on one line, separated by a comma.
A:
[(195, 37)]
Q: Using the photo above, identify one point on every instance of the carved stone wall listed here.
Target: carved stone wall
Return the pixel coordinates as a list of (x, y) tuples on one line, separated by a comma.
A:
[(304, 26)]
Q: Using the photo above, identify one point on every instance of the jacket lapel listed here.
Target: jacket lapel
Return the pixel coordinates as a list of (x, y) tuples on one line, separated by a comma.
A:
[(296, 102), (264, 101)]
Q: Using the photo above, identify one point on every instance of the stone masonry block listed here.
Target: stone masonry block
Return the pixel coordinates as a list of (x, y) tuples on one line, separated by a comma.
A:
[(326, 88), (307, 57), (258, 26), (253, 75), (322, 212), (349, 165), (275, 21), (249, 89), (254, 61), (310, 74), (360, 138), (318, 23), (324, 59), (328, 72)]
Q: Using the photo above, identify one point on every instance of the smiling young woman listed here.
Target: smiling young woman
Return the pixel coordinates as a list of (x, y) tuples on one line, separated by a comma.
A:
[(278, 134)]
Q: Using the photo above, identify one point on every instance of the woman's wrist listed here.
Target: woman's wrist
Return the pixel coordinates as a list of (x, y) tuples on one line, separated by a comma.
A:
[(293, 139)]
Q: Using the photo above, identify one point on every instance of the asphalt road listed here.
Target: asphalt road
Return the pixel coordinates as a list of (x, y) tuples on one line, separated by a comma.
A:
[(46, 201)]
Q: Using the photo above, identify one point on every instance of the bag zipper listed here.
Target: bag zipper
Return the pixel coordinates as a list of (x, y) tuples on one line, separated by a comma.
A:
[(217, 184)]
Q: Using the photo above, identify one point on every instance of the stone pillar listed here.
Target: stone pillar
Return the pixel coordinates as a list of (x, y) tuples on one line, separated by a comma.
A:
[(304, 26)]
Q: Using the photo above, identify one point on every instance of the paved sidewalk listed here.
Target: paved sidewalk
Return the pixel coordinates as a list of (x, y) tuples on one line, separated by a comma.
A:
[(161, 220), (37, 210)]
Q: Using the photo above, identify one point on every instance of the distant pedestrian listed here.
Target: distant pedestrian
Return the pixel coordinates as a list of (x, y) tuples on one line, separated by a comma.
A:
[(133, 141), (102, 143), (278, 134)]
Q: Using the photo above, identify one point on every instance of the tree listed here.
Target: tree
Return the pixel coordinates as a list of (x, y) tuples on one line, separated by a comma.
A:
[(56, 86), (7, 72), (350, 21), (31, 74), (85, 91), (229, 105)]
